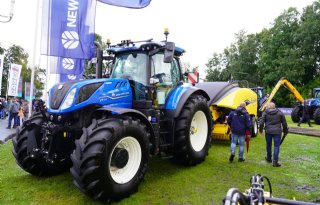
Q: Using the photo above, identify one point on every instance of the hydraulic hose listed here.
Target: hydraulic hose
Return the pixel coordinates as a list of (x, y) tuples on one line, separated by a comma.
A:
[(234, 196)]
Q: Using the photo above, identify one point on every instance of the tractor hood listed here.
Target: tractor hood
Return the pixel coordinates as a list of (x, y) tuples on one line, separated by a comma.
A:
[(73, 95), (313, 102)]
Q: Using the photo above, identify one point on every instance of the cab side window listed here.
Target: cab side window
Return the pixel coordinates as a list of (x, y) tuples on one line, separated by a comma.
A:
[(168, 75)]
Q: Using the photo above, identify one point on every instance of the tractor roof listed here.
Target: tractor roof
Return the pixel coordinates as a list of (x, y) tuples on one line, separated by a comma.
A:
[(151, 45)]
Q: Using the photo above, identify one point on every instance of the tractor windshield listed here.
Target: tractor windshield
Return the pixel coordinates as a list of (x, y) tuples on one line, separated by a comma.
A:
[(317, 94), (131, 66)]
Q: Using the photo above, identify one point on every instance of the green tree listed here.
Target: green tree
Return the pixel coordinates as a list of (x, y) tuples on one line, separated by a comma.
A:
[(308, 38), (237, 62), (17, 55), (217, 68), (186, 67), (279, 55), (1, 50), (91, 71), (14, 54), (289, 48)]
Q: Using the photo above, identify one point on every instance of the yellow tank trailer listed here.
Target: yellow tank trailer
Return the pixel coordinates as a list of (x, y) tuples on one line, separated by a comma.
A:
[(225, 97)]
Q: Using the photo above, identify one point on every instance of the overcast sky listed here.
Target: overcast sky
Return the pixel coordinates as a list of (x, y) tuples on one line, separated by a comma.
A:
[(200, 27)]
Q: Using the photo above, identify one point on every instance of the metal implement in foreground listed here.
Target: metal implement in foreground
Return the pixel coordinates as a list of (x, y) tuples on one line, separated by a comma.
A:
[(256, 195)]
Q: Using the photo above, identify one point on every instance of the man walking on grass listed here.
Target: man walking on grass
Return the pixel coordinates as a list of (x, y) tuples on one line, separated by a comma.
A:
[(239, 121), (272, 119)]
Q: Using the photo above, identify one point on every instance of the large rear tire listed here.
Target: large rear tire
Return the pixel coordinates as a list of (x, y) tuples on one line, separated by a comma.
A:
[(316, 116), (35, 165), (296, 114), (193, 131), (111, 158), (254, 127)]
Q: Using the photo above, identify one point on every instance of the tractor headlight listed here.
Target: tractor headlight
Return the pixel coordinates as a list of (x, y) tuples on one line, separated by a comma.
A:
[(69, 99)]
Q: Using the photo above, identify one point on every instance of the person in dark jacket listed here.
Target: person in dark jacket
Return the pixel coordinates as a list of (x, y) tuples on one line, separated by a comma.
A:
[(305, 114), (239, 121), (13, 113), (274, 122)]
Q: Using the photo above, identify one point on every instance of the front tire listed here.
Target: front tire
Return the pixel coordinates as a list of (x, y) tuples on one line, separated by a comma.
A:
[(111, 158), (35, 165), (193, 131), (316, 116), (296, 114)]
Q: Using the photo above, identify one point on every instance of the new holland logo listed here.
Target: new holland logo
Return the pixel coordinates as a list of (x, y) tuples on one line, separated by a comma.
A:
[(68, 63), (70, 39), (72, 77)]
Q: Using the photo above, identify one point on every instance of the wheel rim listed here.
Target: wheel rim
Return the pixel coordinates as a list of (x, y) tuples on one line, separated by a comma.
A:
[(126, 172), (198, 131)]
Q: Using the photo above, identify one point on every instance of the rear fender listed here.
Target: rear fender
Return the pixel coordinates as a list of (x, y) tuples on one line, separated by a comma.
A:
[(179, 97)]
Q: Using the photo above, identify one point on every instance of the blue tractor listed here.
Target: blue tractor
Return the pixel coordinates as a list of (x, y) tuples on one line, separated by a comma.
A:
[(106, 129), (314, 107)]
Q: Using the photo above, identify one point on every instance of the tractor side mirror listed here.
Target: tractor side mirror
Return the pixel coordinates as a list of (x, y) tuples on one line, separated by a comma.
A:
[(169, 52)]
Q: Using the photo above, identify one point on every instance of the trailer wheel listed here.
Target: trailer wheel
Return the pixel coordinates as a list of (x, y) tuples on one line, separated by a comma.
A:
[(193, 131), (111, 158), (254, 127), (316, 116), (35, 165), (296, 114)]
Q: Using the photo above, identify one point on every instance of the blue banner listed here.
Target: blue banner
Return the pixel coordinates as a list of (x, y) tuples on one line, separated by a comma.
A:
[(27, 91), (68, 28), (70, 77), (20, 88), (135, 4), (60, 65), (286, 111)]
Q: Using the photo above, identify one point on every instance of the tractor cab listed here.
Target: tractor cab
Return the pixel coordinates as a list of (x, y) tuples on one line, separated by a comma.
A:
[(260, 94), (152, 68), (317, 93)]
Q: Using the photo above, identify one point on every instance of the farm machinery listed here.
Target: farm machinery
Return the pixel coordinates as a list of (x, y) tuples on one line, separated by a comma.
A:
[(105, 129), (256, 195), (227, 97), (314, 107)]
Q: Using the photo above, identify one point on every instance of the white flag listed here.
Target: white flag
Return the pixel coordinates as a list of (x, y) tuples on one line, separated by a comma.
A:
[(1, 69), (14, 78)]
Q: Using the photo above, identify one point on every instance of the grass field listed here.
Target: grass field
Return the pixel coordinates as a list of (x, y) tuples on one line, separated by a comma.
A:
[(302, 125), (167, 183)]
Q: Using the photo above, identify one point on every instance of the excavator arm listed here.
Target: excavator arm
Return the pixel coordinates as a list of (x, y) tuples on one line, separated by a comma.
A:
[(282, 82)]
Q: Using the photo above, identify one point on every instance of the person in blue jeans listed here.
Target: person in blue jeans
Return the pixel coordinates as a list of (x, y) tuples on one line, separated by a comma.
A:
[(274, 123), (13, 113), (239, 121)]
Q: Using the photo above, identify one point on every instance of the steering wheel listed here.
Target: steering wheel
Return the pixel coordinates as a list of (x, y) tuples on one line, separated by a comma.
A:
[(160, 76)]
